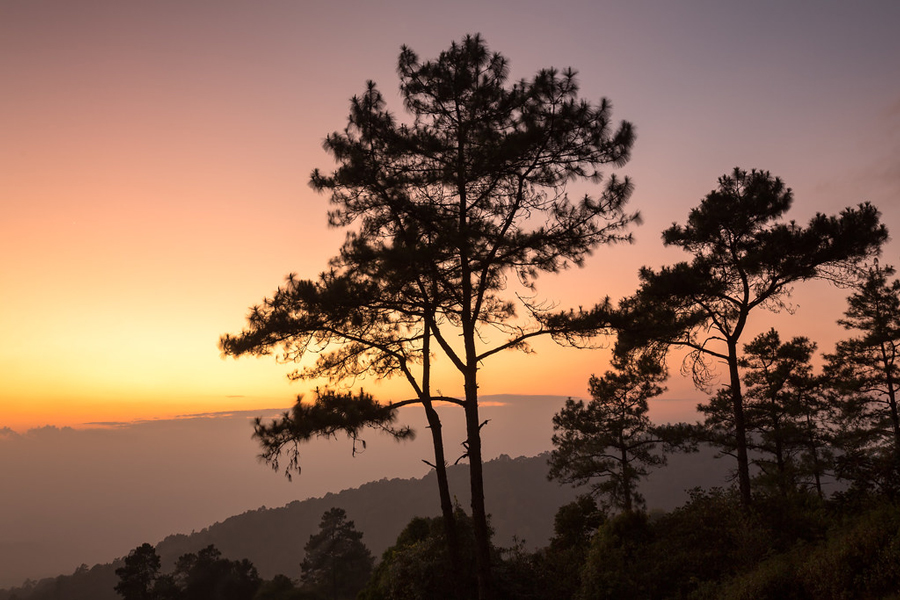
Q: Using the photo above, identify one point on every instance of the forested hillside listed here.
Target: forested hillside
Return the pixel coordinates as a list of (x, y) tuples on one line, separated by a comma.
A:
[(523, 504)]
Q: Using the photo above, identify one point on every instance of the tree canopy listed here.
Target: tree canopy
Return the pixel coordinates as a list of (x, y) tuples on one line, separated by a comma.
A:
[(609, 442), (337, 563), (744, 257), (447, 210), (865, 370), (139, 574)]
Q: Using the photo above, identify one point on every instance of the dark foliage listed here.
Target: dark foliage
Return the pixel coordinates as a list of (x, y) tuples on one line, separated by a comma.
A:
[(610, 443), (743, 258), (337, 563), (205, 575), (140, 574), (864, 372), (329, 414), (417, 566), (446, 208)]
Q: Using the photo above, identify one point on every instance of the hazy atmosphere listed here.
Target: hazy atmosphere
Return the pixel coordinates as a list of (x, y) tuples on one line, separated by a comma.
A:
[(154, 176)]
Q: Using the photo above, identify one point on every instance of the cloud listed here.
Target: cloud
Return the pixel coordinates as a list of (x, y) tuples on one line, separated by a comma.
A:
[(265, 412), (7, 433)]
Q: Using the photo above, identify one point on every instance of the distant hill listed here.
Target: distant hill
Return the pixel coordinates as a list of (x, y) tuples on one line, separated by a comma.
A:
[(521, 501)]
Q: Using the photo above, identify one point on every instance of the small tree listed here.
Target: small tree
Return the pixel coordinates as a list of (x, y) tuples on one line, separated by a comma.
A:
[(785, 409), (562, 562), (865, 372), (416, 566), (744, 258), (610, 441), (206, 575), (337, 563), (139, 575)]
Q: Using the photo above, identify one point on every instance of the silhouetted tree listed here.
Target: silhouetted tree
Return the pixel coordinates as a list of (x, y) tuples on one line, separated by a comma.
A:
[(138, 577), (416, 566), (609, 442), (282, 587), (207, 576), (448, 207), (359, 320), (576, 522), (744, 258), (337, 563), (785, 409), (563, 560), (785, 412), (865, 371)]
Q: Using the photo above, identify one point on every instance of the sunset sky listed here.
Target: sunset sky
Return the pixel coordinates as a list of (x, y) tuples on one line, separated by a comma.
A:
[(156, 155), (155, 158)]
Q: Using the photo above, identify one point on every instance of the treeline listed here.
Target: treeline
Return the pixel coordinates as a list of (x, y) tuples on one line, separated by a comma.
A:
[(787, 536), (800, 428), (779, 535), (709, 549)]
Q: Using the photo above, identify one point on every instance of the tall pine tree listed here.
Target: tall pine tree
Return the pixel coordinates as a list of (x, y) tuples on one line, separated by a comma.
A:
[(453, 206), (744, 258)]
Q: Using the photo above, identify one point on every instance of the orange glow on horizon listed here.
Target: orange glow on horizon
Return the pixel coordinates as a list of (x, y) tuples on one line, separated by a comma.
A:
[(156, 157)]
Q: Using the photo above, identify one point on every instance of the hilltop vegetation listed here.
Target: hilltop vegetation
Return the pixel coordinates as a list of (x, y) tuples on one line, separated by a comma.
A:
[(273, 538)]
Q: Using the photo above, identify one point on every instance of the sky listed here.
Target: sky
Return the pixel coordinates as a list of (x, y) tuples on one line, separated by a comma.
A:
[(155, 159)]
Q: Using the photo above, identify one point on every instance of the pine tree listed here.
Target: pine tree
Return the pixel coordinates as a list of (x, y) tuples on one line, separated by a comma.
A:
[(744, 257), (139, 574), (785, 410), (610, 442), (337, 563), (449, 207), (865, 372)]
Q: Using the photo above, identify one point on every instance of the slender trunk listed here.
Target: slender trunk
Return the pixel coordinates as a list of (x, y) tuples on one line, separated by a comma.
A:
[(895, 420), (449, 518), (892, 404), (626, 484), (814, 453), (476, 479), (779, 458), (740, 427), (468, 318), (440, 461)]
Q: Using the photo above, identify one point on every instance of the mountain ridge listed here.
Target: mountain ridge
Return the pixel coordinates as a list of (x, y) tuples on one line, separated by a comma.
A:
[(521, 500)]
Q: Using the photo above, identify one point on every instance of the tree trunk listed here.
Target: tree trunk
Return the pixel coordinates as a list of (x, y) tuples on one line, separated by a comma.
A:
[(440, 462), (476, 479), (449, 518), (740, 427), (626, 484), (779, 458), (814, 452)]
